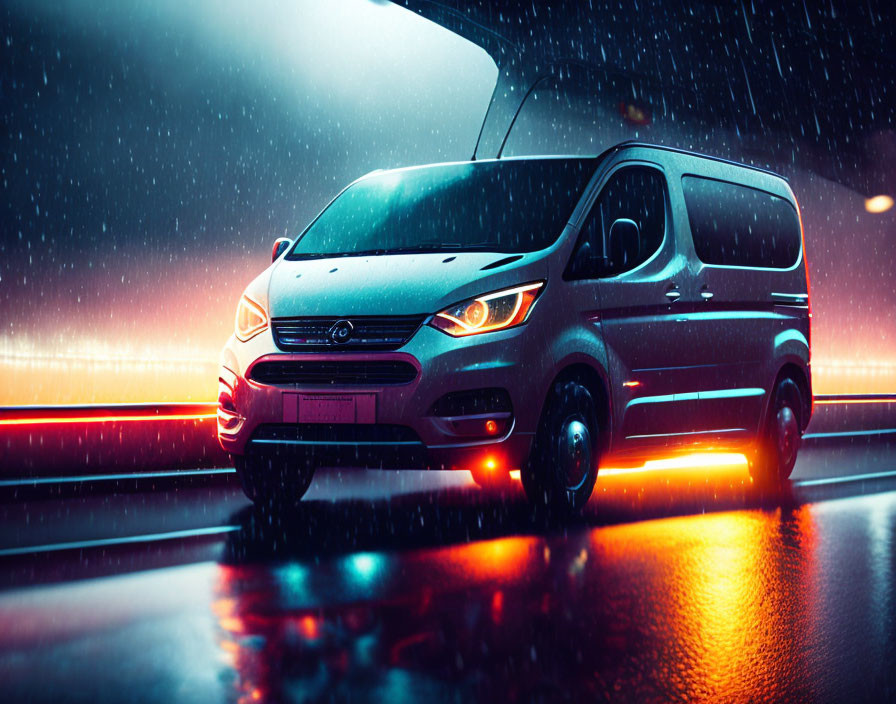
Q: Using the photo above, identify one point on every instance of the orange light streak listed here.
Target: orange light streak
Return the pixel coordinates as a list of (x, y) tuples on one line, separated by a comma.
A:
[(696, 460), (631, 384), (706, 460), (849, 401)]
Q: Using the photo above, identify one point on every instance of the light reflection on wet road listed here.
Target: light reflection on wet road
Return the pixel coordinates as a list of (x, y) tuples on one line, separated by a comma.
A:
[(681, 586), (775, 604)]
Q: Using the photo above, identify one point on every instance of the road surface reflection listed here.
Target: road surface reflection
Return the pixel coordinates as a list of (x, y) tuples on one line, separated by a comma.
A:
[(729, 606)]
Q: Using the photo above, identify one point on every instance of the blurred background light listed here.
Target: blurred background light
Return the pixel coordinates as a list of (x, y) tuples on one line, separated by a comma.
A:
[(878, 204)]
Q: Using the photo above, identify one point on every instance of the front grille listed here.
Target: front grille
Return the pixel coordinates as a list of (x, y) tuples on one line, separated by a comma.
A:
[(368, 332), (335, 372)]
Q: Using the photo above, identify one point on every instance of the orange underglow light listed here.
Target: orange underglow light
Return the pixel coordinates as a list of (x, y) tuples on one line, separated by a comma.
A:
[(105, 419), (490, 463), (631, 384), (708, 460), (515, 474)]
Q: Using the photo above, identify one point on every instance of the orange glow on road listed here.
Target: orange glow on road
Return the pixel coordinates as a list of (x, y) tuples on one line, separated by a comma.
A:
[(720, 595), (700, 460), (498, 606), (500, 558)]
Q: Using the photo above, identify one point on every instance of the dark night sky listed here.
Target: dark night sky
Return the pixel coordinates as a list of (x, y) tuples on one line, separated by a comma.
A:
[(154, 150)]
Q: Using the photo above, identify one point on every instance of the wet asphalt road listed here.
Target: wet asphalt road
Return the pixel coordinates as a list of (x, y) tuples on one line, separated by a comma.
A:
[(681, 585)]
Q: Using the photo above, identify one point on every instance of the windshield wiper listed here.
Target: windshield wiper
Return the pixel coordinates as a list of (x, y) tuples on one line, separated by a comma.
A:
[(335, 255), (422, 247), (440, 246)]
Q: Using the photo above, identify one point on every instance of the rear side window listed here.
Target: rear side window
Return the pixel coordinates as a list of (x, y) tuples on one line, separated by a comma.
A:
[(739, 226)]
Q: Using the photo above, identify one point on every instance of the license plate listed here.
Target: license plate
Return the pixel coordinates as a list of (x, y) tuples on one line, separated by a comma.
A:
[(329, 408)]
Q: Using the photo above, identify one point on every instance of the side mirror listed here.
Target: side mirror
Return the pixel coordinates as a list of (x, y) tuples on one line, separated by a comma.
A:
[(625, 243), (280, 245), (584, 262), (587, 264)]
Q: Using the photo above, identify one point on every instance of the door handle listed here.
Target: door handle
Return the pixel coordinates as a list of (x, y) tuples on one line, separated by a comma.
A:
[(673, 294), (706, 295)]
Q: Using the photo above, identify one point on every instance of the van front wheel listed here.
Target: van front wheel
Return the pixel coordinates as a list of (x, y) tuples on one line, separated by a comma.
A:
[(273, 480), (562, 466), (781, 438)]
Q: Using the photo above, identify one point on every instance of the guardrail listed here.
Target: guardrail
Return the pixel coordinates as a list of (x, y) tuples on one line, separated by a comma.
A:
[(39, 441), (46, 441), (112, 412)]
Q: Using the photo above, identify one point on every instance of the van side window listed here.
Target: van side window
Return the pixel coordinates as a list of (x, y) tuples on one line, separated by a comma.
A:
[(736, 225), (625, 227)]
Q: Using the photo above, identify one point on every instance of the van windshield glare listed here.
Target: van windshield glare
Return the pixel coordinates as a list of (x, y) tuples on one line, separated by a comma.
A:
[(495, 206)]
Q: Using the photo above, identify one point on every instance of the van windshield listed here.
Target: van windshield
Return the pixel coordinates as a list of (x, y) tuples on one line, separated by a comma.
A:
[(494, 206)]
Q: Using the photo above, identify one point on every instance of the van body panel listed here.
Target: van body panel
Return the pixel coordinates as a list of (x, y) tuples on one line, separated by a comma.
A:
[(391, 284), (736, 318), (688, 352)]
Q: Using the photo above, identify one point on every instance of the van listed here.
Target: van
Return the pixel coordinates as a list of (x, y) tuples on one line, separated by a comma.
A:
[(542, 314)]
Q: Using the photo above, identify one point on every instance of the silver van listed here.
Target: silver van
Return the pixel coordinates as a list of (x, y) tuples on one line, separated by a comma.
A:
[(545, 314)]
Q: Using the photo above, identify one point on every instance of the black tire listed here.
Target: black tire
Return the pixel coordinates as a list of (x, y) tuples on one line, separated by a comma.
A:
[(273, 480), (780, 439), (562, 465), (492, 480)]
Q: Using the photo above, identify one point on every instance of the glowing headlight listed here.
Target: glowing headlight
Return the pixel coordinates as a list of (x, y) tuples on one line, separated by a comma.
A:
[(251, 319), (493, 311)]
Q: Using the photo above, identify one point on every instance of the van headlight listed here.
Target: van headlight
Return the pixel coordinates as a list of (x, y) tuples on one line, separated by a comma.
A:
[(493, 311), (251, 319)]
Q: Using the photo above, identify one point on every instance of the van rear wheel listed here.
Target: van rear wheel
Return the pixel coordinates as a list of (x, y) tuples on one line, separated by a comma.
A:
[(781, 438), (273, 480), (562, 465)]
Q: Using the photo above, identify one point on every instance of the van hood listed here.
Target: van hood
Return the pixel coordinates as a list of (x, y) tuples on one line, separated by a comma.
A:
[(397, 284)]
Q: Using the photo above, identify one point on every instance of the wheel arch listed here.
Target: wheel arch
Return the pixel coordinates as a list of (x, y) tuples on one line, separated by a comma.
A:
[(800, 376), (595, 380)]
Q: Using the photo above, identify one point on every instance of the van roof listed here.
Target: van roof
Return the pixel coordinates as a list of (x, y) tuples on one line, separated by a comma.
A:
[(647, 145), (586, 157)]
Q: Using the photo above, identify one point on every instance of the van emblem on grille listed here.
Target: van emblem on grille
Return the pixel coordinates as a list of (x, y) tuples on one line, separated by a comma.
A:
[(341, 332)]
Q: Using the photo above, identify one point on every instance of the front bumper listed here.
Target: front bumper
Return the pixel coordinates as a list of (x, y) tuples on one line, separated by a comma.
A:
[(504, 359)]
